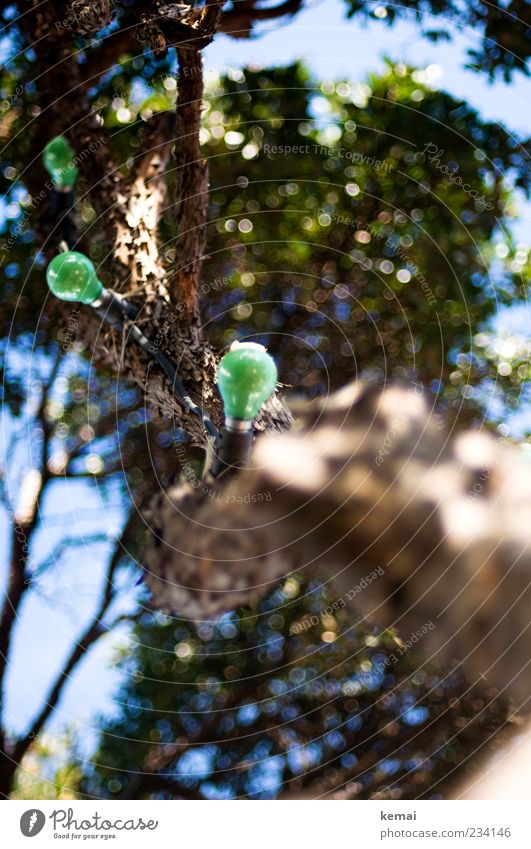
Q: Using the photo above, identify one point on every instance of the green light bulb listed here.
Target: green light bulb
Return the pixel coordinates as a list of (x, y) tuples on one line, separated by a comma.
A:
[(58, 159), (247, 376), (71, 276)]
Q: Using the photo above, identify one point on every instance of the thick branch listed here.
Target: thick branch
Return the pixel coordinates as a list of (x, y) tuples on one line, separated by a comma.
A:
[(15, 589), (107, 54), (367, 482), (137, 245), (191, 183), (503, 775), (239, 21)]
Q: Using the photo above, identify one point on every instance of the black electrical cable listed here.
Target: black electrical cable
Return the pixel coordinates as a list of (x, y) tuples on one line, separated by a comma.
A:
[(62, 206), (171, 372), (113, 309)]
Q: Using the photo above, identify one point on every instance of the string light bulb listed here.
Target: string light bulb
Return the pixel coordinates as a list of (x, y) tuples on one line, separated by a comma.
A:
[(246, 377), (58, 159), (71, 276)]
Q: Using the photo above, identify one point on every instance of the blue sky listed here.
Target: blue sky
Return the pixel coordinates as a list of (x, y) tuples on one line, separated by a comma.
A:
[(333, 48)]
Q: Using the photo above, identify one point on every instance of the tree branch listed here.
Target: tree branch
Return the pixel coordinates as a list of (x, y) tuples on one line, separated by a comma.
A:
[(94, 630), (65, 544), (107, 53), (191, 185), (239, 21)]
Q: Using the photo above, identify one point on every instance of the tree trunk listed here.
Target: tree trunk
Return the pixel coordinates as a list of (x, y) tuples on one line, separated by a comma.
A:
[(366, 483)]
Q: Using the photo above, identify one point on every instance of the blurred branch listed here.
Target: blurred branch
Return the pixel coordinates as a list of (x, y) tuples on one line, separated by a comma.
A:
[(107, 53), (94, 630), (64, 545), (104, 426), (107, 472), (211, 16), (50, 380), (240, 20), (4, 495), (506, 774), (124, 618)]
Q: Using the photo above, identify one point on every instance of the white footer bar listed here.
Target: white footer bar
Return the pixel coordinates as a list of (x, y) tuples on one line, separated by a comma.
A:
[(266, 825)]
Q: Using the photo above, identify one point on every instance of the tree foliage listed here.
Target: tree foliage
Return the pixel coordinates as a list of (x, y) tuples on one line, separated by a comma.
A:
[(502, 29), (290, 697)]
